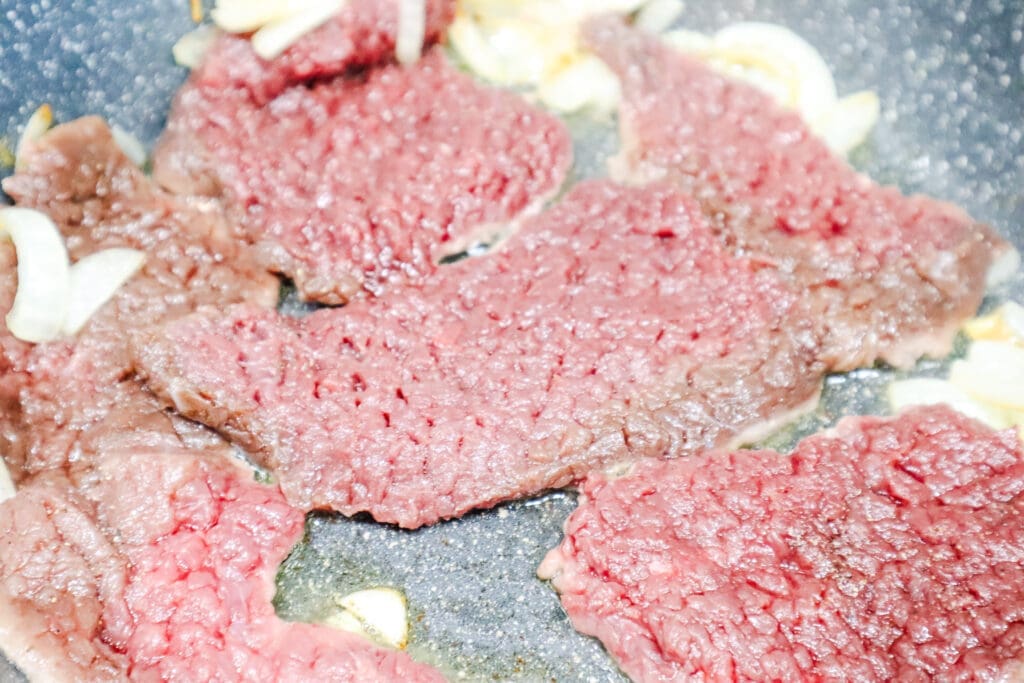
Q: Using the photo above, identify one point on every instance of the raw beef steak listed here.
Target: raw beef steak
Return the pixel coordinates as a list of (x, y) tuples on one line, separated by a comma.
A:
[(612, 327), (888, 549)]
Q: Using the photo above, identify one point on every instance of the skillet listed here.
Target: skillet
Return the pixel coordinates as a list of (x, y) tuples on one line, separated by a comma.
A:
[(950, 74)]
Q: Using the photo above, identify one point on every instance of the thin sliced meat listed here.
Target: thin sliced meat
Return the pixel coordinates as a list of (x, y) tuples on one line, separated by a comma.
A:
[(892, 277), (60, 580), (350, 184), (891, 549), (362, 34), (187, 594), (64, 400), (611, 327)]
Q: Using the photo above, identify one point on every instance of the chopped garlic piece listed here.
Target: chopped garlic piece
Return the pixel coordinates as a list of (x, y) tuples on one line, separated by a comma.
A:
[(6, 485), (37, 124), (94, 281), (41, 302), (412, 30), (379, 614)]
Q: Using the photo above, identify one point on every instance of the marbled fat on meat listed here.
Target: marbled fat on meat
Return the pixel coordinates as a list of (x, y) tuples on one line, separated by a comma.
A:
[(611, 327), (891, 276), (62, 401), (889, 549), (353, 183)]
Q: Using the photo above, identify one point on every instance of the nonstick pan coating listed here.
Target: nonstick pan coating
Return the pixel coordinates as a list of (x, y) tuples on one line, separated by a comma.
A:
[(951, 79)]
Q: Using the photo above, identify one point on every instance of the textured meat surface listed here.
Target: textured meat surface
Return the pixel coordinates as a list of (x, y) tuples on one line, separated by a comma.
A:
[(891, 276), (361, 34), (890, 549), (64, 400), (59, 579), (348, 184), (611, 327), (186, 596)]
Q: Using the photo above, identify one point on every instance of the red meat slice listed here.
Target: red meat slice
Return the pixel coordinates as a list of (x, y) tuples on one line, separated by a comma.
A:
[(889, 549), (351, 183), (611, 327), (62, 401), (892, 277)]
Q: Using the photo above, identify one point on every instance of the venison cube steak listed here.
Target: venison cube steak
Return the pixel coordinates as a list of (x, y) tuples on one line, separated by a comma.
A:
[(892, 277), (352, 183), (888, 549), (159, 565), (611, 327), (63, 401)]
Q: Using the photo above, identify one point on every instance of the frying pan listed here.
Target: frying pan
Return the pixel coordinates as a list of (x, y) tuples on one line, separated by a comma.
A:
[(951, 79)]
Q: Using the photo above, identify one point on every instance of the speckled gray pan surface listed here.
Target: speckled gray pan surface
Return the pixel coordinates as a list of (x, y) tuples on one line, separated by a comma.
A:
[(950, 75)]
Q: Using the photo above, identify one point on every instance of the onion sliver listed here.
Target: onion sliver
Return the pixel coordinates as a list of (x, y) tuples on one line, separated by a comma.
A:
[(6, 485), (925, 391), (276, 37), (993, 372), (191, 47), (379, 614), (658, 15), (412, 30), (40, 304), (95, 279), (243, 16), (38, 123), (130, 145)]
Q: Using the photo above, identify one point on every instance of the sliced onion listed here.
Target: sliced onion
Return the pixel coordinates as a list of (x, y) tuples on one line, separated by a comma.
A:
[(40, 304), (243, 16), (930, 391), (130, 145), (993, 372), (379, 614), (472, 47), (94, 281), (37, 125), (789, 55), (1003, 268), (849, 122), (191, 47), (695, 42), (586, 83), (658, 15), (412, 30), (276, 37), (6, 485)]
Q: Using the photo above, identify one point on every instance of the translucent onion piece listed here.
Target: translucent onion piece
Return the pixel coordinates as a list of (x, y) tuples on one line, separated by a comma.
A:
[(690, 41), (658, 15), (930, 391), (585, 84), (37, 125), (469, 42), (191, 47), (277, 36), (130, 145), (243, 16), (379, 614), (849, 122), (6, 485), (993, 372), (412, 30), (1004, 268), (791, 56), (40, 304), (94, 281)]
